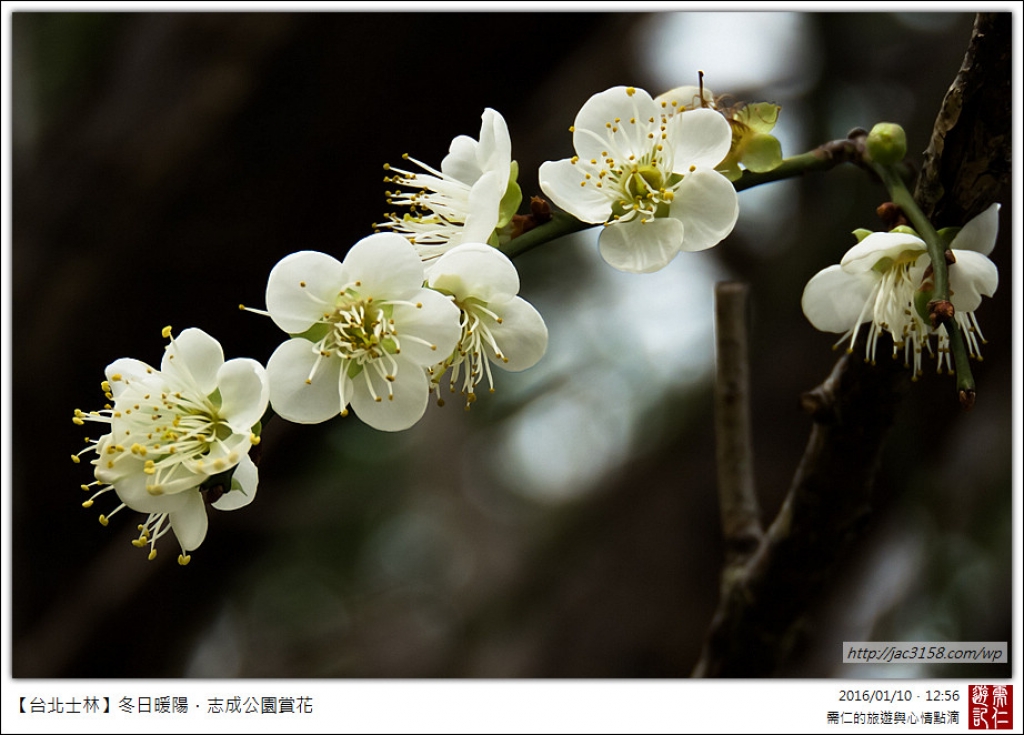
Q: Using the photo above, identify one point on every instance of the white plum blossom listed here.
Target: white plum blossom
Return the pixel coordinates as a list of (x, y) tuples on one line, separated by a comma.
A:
[(646, 169), (179, 437), (497, 326), (364, 331), (877, 282), (473, 194)]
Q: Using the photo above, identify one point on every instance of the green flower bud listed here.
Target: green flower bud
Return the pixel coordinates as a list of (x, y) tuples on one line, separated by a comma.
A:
[(887, 144)]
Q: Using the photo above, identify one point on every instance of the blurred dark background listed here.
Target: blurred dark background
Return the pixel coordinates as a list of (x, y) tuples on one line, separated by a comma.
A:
[(568, 525)]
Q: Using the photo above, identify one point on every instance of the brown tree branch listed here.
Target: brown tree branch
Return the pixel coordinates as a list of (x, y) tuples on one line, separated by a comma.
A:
[(829, 501), (741, 516)]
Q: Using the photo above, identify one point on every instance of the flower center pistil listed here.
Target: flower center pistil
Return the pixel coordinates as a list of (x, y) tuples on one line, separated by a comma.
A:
[(167, 430), (361, 330), (891, 306), (638, 186)]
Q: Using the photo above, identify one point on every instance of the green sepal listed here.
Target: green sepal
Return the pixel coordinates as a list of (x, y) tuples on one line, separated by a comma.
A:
[(948, 234), (512, 199), (922, 298), (729, 169), (860, 233), (761, 152), (315, 333), (904, 230), (758, 116)]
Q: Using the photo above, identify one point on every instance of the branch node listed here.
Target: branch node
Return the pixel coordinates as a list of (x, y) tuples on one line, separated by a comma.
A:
[(940, 312)]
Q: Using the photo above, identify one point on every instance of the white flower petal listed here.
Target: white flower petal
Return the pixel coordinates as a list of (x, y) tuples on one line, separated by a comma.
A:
[(124, 371), (684, 97), (386, 266), (475, 269), (707, 205), (430, 332), (833, 300), (560, 181), (875, 247), (132, 492), (700, 138), (641, 247), (248, 477), (468, 159), (110, 468), (461, 162), (971, 277), (980, 233), (398, 409), (291, 396), (244, 392), (484, 205), (300, 286), (495, 150), (194, 357), (221, 456), (603, 125), (189, 522), (184, 477), (521, 335)]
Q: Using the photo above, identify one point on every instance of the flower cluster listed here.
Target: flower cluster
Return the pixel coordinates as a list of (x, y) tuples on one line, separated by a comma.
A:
[(377, 332), (878, 282), (431, 297)]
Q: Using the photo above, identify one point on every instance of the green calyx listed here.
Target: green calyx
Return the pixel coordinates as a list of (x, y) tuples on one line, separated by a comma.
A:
[(948, 234), (753, 146), (922, 297)]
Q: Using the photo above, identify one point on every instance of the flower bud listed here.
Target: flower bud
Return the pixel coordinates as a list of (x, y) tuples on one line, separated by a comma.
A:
[(887, 144)]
